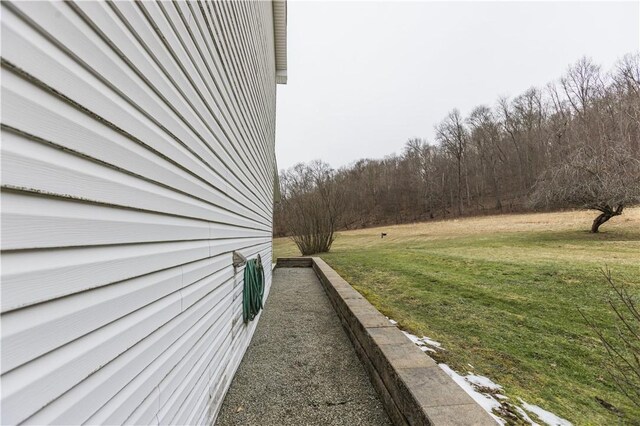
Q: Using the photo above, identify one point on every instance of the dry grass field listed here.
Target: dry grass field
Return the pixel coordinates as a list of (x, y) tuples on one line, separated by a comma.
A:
[(502, 294)]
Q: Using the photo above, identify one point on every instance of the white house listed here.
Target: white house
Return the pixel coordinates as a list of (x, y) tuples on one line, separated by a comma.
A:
[(137, 156)]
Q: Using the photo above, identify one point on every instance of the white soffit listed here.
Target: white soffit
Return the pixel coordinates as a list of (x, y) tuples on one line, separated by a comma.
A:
[(280, 34)]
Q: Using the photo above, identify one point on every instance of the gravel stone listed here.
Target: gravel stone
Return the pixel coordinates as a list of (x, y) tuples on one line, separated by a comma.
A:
[(300, 368)]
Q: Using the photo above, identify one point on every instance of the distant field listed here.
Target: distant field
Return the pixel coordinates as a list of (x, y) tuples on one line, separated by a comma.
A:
[(502, 293)]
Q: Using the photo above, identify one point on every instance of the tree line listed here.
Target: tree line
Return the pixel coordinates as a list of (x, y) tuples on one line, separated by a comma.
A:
[(573, 143)]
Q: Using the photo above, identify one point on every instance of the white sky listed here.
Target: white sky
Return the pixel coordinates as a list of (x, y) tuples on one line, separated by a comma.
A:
[(366, 76)]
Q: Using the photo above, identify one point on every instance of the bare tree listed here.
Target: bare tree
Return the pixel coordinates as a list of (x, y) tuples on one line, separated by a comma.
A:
[(485, 135), (589, 178), (453, 137), (419, 161), (581, 84), (625, 94)]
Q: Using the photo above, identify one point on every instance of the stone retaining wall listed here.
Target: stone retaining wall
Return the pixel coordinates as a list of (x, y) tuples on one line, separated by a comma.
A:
[(414, 390)]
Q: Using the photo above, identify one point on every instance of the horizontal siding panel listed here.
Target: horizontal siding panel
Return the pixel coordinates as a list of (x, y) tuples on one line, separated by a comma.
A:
[(215, 38), (196, 371), (34, 331), (183, 48), (215, 342), (137, 155), (118, 409), (210, 101), (197, 399), (226, 36), (42, 115), (31, 332), (67, 175), (96, 55), (200, 37), (31, 222), (246, 70), (205, 42), (159, 13), (108, 21), (78, 85), (34, 385), (93, 54), (141, 29), (33, 276), (145, 414), (219, 382), (86, 397), (248, 157)]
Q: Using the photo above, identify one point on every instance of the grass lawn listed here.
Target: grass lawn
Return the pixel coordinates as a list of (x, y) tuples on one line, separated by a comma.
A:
[(502, 293)]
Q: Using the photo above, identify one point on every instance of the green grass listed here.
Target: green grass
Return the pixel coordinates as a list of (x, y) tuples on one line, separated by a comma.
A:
[(502, 294)]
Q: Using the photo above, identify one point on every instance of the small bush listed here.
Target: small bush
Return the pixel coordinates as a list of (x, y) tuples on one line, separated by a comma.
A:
[(623, 342), (309, 207)]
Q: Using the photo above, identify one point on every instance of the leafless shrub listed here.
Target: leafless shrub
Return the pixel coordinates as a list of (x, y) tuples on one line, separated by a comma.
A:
[(310, 203), (623, 343)]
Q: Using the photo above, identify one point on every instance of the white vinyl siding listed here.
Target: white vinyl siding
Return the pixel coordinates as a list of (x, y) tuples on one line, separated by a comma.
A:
[(137, 155)]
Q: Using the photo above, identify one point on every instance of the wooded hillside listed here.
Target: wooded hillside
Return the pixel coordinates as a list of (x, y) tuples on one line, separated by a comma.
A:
[(572, 143)]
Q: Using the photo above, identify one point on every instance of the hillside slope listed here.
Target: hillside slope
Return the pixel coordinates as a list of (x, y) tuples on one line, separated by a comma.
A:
[(502, 294)]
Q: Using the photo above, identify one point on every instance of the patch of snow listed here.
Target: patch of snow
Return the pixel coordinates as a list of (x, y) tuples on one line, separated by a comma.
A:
[(485, 382), (525, 416), (546, 416), (424, 342), (431, 342), (488, 401), (485, 401), (413, 338)]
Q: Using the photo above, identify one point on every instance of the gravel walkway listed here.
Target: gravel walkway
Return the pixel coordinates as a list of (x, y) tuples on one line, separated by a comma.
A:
[(300, 368)]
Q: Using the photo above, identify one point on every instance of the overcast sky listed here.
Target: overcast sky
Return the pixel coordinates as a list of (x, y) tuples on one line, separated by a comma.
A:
[(363, 77)]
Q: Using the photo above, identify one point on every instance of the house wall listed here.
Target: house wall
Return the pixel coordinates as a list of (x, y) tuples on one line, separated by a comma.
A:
[(137, 154)]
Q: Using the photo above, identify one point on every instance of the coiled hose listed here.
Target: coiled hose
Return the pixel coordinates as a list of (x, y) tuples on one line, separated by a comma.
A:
[(253, 290)]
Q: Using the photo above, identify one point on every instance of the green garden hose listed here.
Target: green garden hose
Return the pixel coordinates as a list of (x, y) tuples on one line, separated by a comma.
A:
[(253, 290)]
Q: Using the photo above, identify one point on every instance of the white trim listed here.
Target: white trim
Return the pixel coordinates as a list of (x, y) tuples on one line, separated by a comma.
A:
[(280, 32)]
